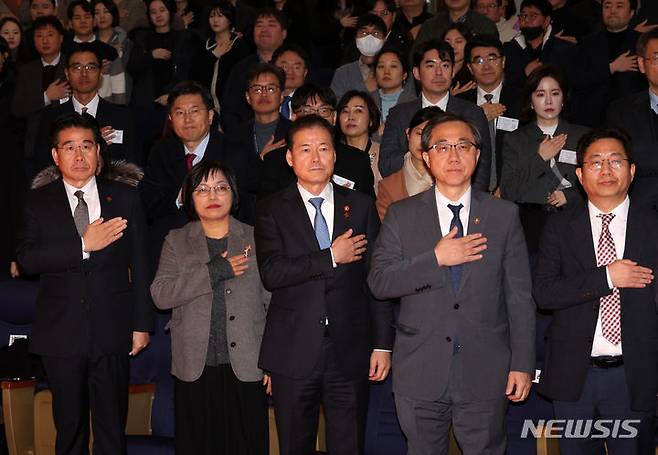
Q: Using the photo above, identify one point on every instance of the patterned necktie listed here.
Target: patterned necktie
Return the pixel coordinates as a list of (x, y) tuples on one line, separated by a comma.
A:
[(610, 304), (81, 213), (320, 224), (456, 270), (285, 106), (488, 97), (189, 160)]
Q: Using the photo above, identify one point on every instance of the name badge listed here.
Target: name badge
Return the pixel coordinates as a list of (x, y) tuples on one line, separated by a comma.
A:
[(568, 157), (537, 376), (342, 181), (117, 138), (507, 124)]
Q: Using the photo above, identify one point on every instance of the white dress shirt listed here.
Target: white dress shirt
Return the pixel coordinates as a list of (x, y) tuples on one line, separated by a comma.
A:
[(442, 103), (617, 228), (327, 207), (200, 149), (445, 214), (92, 199), (92, 106)]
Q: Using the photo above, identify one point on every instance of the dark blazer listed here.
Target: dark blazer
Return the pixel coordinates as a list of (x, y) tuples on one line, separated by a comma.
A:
[(510, 97), (633, 113), (526, 177), (235, 110), (492, 314), (28, 95), (85, 306), (591, 101), (568, 282), (306, 287), (394, 140), (107, 114), (351, 163)]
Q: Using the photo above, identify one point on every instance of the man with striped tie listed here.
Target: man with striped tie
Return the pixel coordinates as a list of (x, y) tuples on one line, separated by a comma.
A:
[(325, 335), (595, 272)]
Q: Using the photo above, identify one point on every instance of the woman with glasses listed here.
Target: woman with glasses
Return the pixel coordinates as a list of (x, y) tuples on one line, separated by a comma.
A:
[(358, 118), (358, 75), (209, 278), (394, 86), (221, 50), (539, 158), (458, 35)]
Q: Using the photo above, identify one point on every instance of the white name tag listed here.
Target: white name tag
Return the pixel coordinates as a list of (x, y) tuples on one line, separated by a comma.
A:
[(117, 137), (342, 181), (507, 124), (568, 157), (537, 376)]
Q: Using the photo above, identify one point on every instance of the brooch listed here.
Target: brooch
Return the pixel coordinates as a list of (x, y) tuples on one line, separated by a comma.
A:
[(346, 211), (476, 221), (247, 250), (108, 198)]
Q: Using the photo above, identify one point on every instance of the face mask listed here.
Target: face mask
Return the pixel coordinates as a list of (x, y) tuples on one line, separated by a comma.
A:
[(531, 33), (369, 45)]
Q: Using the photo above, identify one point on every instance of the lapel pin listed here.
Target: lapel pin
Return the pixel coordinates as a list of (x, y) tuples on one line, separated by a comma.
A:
[(108, 198), (346, 211), (476, 221), (247, 250)]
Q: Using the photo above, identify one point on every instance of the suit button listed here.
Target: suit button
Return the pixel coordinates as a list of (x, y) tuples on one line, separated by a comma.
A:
[(456, 307), (228, 291), (233, 344), (321, 321), (448, 339), (231, 318)]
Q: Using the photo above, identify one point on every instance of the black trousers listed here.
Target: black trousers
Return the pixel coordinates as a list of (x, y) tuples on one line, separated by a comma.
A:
[(220, 415), (84, 384), (297, 407)]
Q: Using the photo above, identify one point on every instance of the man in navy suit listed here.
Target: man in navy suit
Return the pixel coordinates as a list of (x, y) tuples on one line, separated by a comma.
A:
[(85, 236), (595, 272), (433, 61), (325, 335)]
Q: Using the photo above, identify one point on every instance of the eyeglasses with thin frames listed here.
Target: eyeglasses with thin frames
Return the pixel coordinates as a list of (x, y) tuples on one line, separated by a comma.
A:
[(260, 89), (492, 59), (204, 190), (461, 147), (597, 165)]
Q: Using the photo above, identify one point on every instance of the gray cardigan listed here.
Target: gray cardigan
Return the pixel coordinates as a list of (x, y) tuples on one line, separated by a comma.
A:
[(182, 283)]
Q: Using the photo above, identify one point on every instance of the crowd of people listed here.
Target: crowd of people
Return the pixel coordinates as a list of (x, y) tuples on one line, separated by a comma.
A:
[(325, 192)]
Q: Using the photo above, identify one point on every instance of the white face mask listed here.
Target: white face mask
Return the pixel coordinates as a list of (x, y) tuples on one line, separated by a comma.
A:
[(369, 45)]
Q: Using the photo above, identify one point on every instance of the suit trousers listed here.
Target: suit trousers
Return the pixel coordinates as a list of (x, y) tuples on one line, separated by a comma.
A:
[(84, 384), (297, 408), (605, 396), (479, 425)]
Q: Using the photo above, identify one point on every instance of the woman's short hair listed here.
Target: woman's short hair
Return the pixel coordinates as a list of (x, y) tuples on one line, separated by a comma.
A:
[(200, 172), (223, 6), (373, 111), (531, 84), (463, 30), (391, 50), (111, 7), (169, 4)]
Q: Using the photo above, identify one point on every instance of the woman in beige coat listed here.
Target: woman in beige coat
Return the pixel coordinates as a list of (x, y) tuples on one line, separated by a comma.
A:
[(209, 278)]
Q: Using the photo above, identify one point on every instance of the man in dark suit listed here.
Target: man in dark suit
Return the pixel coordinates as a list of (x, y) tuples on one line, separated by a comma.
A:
[(325, 336), (432, 61), (498, 100), (595, 272), (456, 257), (83, 71), (638, 115), (191, 114), (352, 168), (93, 306)]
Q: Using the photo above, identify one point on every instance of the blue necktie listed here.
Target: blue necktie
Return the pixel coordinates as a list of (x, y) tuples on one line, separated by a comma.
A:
[(285, 107), (320, 224), (456, 270)]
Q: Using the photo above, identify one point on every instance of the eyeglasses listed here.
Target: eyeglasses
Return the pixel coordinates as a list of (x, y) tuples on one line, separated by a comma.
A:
[(461, 147), (89, 67), (323, 111), (652, 60), (363, 33), (493, 59), (597, 165), (194, 112), (86, 147), (260, 89), (221, 190)]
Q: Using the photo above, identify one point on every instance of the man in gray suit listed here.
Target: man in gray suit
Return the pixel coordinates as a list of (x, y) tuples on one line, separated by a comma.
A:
[(457, 259)]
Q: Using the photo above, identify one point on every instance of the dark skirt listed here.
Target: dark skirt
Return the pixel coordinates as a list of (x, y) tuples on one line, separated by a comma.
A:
[(220, 415)]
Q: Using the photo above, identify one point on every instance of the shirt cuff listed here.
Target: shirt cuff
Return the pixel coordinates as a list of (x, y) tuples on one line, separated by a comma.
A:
[(381, 350), (333, 262), (85, 255), (46, 100), (607, 277)]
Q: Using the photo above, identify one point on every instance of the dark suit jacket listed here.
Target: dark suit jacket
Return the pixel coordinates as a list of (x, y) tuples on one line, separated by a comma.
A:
[(394, 140), (351, 163), (591, 101), (492, 314), (633, 114), (235, 110), (568, 282), (306, 288), (107, 114), (510, 97), (85, 306), (28, 97), (526, 177)]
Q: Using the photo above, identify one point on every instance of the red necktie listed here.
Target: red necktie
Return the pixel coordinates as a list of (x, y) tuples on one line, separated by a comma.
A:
[(189, 160), (610, 304)]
